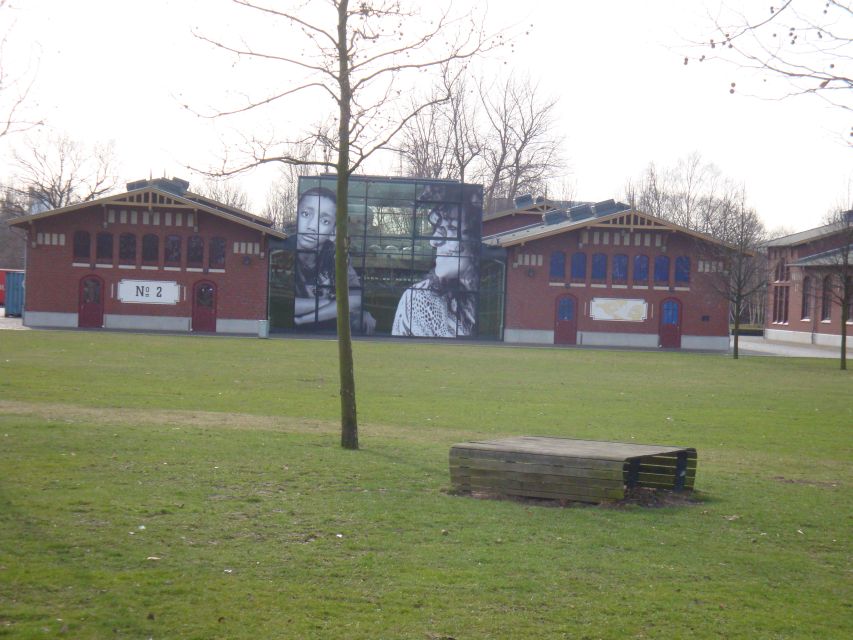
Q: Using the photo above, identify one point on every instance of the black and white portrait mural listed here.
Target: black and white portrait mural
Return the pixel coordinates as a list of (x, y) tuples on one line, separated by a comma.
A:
[(414, 258), (444, 304), (315, 303)]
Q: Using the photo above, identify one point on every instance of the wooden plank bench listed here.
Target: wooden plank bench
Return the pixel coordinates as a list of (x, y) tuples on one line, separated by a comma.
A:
[(568, 469)]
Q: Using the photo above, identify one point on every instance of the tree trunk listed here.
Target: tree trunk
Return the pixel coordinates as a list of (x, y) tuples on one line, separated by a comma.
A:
[(845, 310), (736, 329), (349, 420)]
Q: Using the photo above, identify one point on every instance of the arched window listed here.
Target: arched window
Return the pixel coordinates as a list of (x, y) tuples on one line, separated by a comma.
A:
[(806, 306), (599, 266), (150, 249), (662, 270), (82, 245), (217, 253), (579, 266), (127, 248), (641, 269), (619, 271), (172, 253), (195, 251), (682, 270), (558, 266), (826, 302), (104, 247)]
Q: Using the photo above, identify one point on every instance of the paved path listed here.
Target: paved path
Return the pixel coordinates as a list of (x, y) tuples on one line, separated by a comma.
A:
[(10, 323), (758, 346)]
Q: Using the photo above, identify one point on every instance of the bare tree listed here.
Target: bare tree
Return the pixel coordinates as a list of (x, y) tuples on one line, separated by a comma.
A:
[(225, 191), (283, 194), (744, 274), (521, 152), (806, 43), (834, 269), (12, 240), (55, 171), (358, 58), (14, 89)]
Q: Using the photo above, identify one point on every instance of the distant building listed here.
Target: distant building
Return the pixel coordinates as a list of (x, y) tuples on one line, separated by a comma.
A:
[(804, 271), (157, 257), (602, 274)]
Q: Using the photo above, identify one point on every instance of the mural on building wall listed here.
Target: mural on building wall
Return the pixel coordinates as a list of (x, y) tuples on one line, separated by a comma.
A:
[(414, 259)]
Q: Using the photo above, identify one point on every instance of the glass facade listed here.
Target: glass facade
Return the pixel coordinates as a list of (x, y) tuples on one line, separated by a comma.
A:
[(416, 264)]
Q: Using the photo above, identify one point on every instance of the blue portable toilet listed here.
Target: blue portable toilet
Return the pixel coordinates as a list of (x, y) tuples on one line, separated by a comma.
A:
[(14, 293)]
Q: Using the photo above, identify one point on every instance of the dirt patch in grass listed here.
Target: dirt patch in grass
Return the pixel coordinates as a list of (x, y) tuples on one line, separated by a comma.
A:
[(70, 414), (636, 497), (810, 483)]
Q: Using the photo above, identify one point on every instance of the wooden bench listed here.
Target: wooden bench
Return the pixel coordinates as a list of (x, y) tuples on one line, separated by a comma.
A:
[(568, 469)]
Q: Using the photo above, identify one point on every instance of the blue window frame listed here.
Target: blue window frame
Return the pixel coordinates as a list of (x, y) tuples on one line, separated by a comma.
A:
[(682, 269), (579, 266), (662, 269), (619, 269), (641, 269), (599, 266), (558, 265)]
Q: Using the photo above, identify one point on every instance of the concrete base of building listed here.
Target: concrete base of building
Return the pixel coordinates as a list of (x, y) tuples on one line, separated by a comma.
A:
[(230, 325), (49, 319), (705, 343), (529, 336), (806, 337), (602, 339), (147, 323)]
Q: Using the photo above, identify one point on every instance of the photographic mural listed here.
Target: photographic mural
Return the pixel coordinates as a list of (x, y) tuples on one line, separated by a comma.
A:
[(414, 265)]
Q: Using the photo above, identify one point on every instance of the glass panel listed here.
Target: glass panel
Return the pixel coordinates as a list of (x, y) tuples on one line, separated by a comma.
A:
[(127, 247), (172, 250), (620, 268), (641, 269), (662, 269), (104, 249), (82, 245), (217, 253), (566, 309), (558, 265), (579, 266), (92, 291), (670, 312), (599, 266), (150, 248), (195, 251), (204, 296), (682, 269)]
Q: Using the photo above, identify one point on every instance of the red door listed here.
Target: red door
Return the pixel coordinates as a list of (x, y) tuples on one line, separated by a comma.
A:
[(90, 310), (670, 324), (204, 306), (566, 321)]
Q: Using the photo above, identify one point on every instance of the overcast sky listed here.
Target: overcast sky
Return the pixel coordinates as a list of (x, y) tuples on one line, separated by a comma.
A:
[(118, 70)]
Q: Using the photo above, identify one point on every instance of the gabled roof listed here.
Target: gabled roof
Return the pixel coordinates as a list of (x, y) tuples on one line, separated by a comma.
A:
[(151, 196), (806, 236), (830, 258), (634, 220)]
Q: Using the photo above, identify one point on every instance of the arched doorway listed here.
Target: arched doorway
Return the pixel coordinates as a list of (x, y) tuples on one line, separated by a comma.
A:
[(566, 321), (90, 307), (204, 306), (670, 324)]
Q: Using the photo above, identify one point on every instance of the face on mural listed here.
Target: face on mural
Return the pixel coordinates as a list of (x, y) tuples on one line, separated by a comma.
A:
[(315, 221), (450, 254)]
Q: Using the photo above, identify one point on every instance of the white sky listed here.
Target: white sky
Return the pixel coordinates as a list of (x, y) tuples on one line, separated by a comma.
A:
[(119, 69)]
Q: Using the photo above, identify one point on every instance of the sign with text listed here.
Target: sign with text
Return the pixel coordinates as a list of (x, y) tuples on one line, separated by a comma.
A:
[(618, 309), (149, 292)]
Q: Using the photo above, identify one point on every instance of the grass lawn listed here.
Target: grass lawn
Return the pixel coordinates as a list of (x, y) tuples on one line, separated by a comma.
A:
[(186, 487)]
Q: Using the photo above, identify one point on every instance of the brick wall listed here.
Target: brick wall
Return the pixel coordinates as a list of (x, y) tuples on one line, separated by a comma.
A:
[(54, 274)]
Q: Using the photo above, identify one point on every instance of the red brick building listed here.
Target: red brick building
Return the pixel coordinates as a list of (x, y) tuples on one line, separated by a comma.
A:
[(605, 275), (157, 257), (805, 288)]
